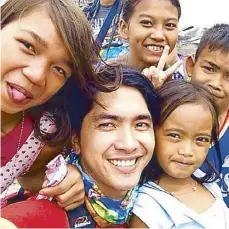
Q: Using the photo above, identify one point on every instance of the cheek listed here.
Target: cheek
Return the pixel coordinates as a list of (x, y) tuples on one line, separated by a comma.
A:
[(148, 142), (172, 39), (163, 152), (199, 76), (201, 155), (97, 141), (50, 89), (133, 39)]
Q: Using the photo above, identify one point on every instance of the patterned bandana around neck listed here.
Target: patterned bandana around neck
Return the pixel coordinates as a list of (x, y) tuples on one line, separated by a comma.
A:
[(106, 211)]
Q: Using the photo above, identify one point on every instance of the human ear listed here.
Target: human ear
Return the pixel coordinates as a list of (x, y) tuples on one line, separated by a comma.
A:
[(75, 143), (123, 29), (189, 65)]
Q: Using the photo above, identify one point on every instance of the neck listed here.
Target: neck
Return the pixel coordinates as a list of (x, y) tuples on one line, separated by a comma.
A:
[(107, 2), (9, 121), (172, 184)]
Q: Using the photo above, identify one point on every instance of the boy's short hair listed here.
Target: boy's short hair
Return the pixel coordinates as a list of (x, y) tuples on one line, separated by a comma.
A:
[(215, 38)]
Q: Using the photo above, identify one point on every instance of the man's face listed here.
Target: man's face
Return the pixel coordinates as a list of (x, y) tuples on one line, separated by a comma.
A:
[(212, 69), (116, 143)]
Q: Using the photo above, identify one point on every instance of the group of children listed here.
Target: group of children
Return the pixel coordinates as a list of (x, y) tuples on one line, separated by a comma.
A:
[(191, 132)]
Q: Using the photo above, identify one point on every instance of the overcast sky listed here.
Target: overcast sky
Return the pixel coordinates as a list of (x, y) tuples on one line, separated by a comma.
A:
[(204, 12)]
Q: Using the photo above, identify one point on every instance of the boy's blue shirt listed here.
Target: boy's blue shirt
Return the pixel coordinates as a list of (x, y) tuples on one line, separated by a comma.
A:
[(224, 168)]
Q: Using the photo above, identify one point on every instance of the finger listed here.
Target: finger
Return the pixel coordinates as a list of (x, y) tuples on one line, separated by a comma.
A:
[(79, 198), (151, 73), (72, 178), (74, 193), (173, 68), (56, 190), (163, 59), (44, 185), (154, 74), (72, 206), (145, 72)]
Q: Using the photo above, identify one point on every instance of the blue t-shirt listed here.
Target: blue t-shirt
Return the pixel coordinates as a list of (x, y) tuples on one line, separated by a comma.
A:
[(113, 45), (224, 168)]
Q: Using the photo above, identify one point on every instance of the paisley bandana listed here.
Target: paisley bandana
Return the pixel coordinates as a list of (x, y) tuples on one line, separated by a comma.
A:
[(106, 211)]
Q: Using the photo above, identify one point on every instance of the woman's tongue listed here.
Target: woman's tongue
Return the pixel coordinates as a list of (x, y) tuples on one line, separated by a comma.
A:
[(17, 95)]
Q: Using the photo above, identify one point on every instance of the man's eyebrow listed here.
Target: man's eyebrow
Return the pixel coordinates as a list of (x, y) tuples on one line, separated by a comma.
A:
[(118, 118), (106, 116), (36, 37), (144, 117)]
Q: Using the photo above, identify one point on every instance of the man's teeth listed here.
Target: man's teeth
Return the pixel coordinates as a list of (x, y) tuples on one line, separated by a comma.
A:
[(155, 48), (123, 163)]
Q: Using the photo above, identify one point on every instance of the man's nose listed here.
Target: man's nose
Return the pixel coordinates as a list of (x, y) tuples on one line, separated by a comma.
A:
[(127, 141)]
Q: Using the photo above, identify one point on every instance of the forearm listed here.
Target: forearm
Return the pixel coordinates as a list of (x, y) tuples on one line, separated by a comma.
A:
[(32, 182)]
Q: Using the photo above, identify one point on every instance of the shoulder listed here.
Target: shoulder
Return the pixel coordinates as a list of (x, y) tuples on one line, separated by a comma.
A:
[(213, 187), (148, 201), (119, 60), (36, 214), (46, 124)]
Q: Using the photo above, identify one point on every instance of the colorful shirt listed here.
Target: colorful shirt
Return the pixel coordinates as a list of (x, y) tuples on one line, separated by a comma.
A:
[(214, 159), (113, 45)]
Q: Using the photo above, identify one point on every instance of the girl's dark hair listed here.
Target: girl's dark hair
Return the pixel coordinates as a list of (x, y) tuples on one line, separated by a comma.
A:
[(75, 31), (129, 5), (172, 95)]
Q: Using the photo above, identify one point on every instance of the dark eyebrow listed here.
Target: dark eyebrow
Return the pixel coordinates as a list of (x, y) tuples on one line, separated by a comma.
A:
[(183, 132), (144, 117), (118, 118), (45, 45), (105, 116), (36, 37), (147, 15), (174, 129), (212, 64)]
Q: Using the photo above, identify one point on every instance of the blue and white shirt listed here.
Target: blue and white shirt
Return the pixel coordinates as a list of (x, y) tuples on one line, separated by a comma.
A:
[(224, 167), (159, 209)]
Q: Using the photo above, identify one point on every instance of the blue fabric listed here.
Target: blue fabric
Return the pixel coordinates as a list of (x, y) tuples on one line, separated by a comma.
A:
[(114, 212), (214, 159), (157, 208), (113, 45)]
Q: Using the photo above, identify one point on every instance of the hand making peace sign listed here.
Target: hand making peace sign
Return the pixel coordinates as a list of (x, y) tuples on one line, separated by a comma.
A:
[(156, 74)]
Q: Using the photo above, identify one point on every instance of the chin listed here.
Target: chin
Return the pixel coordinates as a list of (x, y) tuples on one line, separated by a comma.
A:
[(126, 184), (180, 176), (152, 61)]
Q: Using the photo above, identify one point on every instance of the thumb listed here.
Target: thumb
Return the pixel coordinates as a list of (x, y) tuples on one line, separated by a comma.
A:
[(44, 185), (145, 71)]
